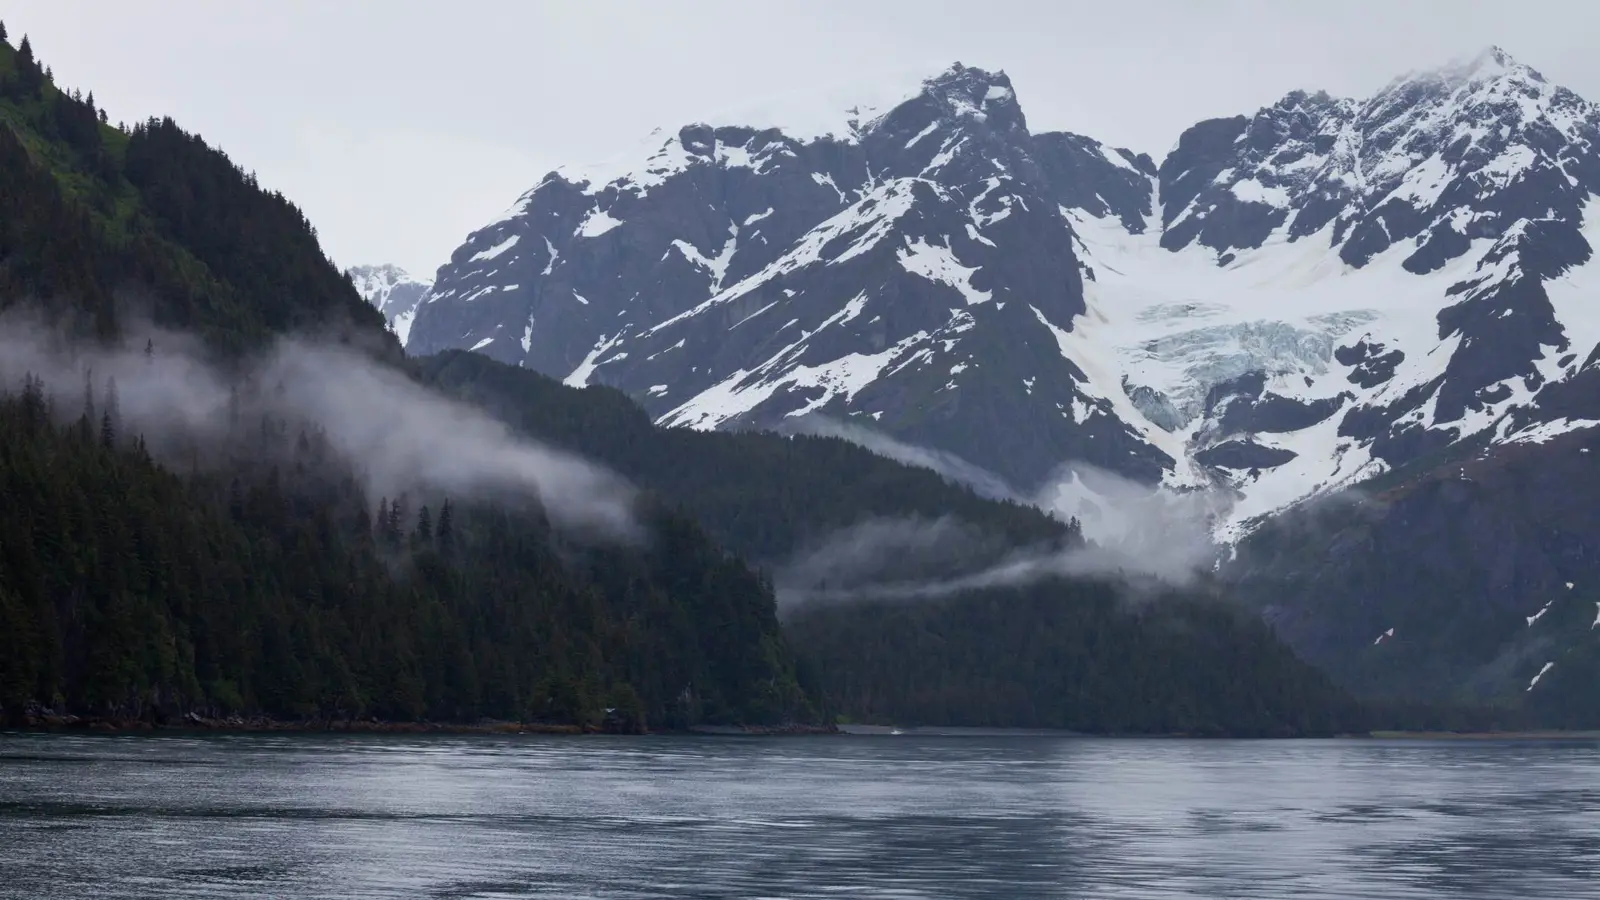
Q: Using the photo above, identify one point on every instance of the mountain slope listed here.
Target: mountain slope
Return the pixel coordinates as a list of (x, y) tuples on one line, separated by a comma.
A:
[(190, 527), (113, 225), (393, 292), (1288, 302), (249, 592), (1469, 579), (1063, 652)]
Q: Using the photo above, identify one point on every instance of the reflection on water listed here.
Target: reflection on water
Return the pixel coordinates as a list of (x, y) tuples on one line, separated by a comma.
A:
[(301, 816)]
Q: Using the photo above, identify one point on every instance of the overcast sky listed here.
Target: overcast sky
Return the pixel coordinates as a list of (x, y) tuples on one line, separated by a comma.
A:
[(401, 126)]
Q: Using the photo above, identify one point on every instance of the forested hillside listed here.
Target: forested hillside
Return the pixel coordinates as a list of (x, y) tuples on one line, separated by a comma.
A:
[(266, 580), (272, 588), (1472, 578), (111, 223), (761, 493), (1072, 655), (1060, 653)]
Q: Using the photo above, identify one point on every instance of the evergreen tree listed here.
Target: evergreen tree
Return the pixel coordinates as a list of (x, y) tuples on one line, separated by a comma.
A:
[(424, 533), (396, 523), (446, 531), (112, 406), (2, 31)]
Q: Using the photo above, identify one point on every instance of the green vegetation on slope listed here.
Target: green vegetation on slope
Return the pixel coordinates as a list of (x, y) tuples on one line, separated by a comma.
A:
[(127, 588), (270, 588), (1069, 655), (150, 222)]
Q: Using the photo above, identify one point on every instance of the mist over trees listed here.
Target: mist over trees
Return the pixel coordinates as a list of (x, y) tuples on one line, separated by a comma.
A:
[(269, 586)]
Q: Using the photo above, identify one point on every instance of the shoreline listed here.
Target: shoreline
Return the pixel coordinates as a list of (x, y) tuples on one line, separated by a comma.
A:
[(193, 723), (196, 724), (1535, 734)]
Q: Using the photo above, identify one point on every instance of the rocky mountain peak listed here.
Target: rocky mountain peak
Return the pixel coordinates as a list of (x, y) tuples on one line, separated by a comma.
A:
[(1492, 63), (1293, 298), (974, 93), (393, 291)]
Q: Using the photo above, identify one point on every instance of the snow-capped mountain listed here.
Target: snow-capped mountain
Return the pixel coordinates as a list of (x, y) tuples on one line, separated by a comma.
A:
[(394, 292), (1290, 301)]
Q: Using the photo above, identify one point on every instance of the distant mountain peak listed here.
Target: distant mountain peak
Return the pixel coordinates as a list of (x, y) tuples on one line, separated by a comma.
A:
[(1490, 63), (393, 291), (1487, 66), (384, 273), (967, 91)]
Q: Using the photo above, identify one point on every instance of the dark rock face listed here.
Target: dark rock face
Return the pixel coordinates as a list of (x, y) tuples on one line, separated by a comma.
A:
[(1244, 455), (1458, 582), (1075, 169), (1243, 405), (1371, 363), (941, 273)]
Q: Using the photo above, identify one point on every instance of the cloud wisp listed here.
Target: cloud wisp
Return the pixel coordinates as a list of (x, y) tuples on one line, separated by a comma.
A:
[(397, 434), (1136, 533)]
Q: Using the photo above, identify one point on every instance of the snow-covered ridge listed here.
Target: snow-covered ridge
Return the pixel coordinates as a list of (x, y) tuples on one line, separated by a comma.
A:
[(1291, 301), (394, 292), (841, 112)]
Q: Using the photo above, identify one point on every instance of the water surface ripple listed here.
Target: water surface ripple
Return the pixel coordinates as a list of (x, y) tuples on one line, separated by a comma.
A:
[(968, 817)]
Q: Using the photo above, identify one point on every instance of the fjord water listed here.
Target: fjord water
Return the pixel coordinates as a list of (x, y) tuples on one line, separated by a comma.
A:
[(903, 816)]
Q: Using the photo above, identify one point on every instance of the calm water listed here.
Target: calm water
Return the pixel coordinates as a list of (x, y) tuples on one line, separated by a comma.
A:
[(902, 816)]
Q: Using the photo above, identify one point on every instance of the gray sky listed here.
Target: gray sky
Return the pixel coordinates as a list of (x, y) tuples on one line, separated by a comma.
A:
[(400, 126)]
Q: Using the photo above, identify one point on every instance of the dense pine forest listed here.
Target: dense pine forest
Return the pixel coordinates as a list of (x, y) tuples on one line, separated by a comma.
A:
[(270, 587), (254, 572), (264, 581)]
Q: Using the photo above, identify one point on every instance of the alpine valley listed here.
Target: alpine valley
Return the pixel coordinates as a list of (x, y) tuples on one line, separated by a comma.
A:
[(1288, 305)]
